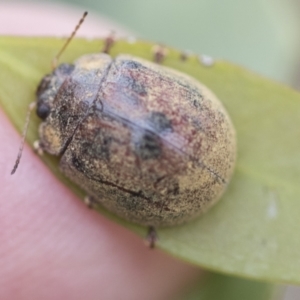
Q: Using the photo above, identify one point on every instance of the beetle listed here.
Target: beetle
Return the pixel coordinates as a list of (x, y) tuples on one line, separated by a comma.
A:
[(152, 145)]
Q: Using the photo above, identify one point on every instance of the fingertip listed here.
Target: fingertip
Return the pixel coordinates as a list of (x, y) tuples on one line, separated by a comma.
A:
[(51, 238)]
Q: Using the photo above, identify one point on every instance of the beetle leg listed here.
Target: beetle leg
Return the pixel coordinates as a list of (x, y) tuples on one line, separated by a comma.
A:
[(108, 43), (159, 53), (38, 148), (90, 202), (151, 238)]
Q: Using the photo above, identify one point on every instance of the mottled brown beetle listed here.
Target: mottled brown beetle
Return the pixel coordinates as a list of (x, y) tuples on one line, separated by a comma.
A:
[(149, 143)]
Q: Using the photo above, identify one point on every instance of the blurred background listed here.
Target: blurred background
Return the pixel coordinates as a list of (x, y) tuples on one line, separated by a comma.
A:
[(261, 35)]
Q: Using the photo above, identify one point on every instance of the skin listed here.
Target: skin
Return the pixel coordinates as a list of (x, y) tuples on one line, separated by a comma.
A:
[(53, 247)]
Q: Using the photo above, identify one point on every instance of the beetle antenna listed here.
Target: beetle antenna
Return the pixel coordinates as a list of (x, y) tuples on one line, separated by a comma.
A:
[(30, 109), (56, 58)]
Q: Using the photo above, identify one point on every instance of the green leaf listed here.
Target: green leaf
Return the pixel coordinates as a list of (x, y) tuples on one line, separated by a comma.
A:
[(253, 231), (220, 287)]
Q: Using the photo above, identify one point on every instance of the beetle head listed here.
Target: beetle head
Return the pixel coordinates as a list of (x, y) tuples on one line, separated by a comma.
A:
[(49, 87)]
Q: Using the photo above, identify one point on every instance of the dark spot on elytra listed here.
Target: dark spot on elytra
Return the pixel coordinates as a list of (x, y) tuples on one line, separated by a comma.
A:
[(196, 103), (77, 164), (148, 146), (174, 190), (100, 148), (159, 122), (132, 85)]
